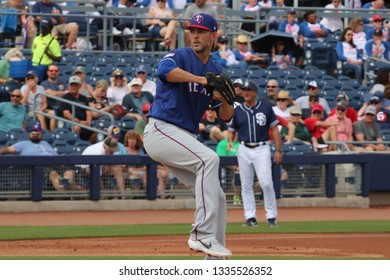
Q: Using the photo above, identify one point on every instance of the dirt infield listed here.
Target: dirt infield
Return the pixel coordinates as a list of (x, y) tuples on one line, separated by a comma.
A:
[(356, 245)]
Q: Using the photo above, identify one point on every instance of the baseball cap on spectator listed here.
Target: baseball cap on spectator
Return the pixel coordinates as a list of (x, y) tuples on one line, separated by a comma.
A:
[(291, 12), (117, 72), (31, 73), (136, 82), (378, 32), (295, 110), (140, 68), (114, 131), (248, 84), (46, 22), (371, 109), (74, 80), (146, 107), (377, 97), (79, 69), (377, 17), (342, 96), (317, 107), (36, 127), (204, 21), (312, 84), (238, 82), (341, 104), (242, 39), (223, 39)]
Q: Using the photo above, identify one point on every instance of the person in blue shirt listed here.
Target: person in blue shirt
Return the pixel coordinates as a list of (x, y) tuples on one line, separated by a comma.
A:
[(311, 29), (377, 47), (170, 136), (13, 114), (376, 4)]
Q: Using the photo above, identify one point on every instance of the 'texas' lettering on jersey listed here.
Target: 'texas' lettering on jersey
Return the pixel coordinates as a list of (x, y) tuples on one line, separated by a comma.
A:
[(195, 87)]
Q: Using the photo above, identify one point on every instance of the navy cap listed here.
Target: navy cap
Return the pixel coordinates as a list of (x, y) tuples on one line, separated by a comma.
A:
[(204, 21), (140, 68), (248, 84), (378, 32), (223, 39), (36, 127), (31, 73)]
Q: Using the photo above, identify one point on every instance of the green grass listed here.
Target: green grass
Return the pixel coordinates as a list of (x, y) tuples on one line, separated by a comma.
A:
[(50, 232)]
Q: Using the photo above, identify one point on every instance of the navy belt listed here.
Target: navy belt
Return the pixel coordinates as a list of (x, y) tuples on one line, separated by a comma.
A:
[(254, 145)]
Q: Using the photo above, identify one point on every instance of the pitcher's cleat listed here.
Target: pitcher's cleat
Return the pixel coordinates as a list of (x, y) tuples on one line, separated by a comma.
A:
[(209, 246)]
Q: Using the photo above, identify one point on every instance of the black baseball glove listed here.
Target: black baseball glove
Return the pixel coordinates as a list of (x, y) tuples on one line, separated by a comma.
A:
[(222, 84)]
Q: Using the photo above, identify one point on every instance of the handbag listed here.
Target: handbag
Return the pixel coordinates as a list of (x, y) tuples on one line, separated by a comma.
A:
[(118, 111)]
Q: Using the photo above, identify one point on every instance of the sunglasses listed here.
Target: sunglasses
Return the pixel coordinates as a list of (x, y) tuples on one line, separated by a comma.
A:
[(377, 20), (30, 78), (340, 109), (74, 84), (311, 87), (53, 71), (242, 43), (313, 99), (35, 132), (281, 99), (369, 114), (271, 86), (16, 96), (141, 73), (348, 34), (374, 102), (118, 77), (317, 112), (295, 115)]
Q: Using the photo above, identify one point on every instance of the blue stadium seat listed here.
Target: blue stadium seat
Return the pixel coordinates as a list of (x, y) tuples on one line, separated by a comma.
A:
[(81, 145), (70, 138), (3, 137), (127, 123), (64, 150)]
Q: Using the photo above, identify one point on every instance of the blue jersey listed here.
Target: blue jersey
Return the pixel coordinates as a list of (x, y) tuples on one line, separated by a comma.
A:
[(182, 104), (252, 124)]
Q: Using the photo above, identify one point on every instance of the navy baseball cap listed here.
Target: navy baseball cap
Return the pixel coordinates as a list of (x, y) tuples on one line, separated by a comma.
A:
[(204, 21), (248, 84), (36, 127)]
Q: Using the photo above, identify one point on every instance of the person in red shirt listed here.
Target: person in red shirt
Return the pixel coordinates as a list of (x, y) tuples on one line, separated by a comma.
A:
[(351, 112), (323, 131)]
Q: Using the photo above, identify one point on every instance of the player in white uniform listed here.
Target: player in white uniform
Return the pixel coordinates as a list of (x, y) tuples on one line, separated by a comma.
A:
[(252, 121)]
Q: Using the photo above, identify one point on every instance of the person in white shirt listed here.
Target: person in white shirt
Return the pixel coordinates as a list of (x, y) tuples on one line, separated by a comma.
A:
[(148, 85), (333, 24), (118, 87), (282, 102)]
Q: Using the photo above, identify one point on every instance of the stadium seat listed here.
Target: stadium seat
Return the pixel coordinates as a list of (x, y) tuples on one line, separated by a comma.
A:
[(3, 137), (211, 144), (127, 123), (80, 145), (64, 150), (70, 137)]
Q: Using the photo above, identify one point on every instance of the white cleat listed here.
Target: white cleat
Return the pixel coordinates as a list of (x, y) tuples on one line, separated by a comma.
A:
[(209, 246)]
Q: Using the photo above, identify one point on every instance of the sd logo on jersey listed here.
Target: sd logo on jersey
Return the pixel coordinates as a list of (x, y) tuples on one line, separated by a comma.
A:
[(261, 119)]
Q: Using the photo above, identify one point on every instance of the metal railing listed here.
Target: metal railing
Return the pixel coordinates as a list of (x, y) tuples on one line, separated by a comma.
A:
[(74, 105)]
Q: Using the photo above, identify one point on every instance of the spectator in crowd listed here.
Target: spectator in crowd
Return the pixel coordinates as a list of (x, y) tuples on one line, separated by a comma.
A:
[(54, 88), (118, 87), (284, 123), (12, 54), (323, 131), (140, 124), (45, 48), (136, 98), (350, 113), (85, 89), (272, 92), (147, 84), (375, 5), (251, 6), (377, 47), (382, 114), (239, 92), (198, 7), (368, 129), (98, 99), (349, 54), (125, 26), (225, 57), (23, 19), (386, 98), (70, 30), (377, 23), (81, 115), (36, 147), (291, 25), (108, 147), (274, 21), (243, 54), (162, 24), (31, 98), (280, 56), (211, 127), (301, 132), (333, 24), (283, 101), (13, 114), (344, 129), (359, 36), (312, 89), (313, 100), (311, 29)]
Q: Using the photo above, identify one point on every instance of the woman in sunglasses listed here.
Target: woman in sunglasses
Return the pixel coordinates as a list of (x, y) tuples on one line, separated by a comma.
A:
[(349, 54)]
